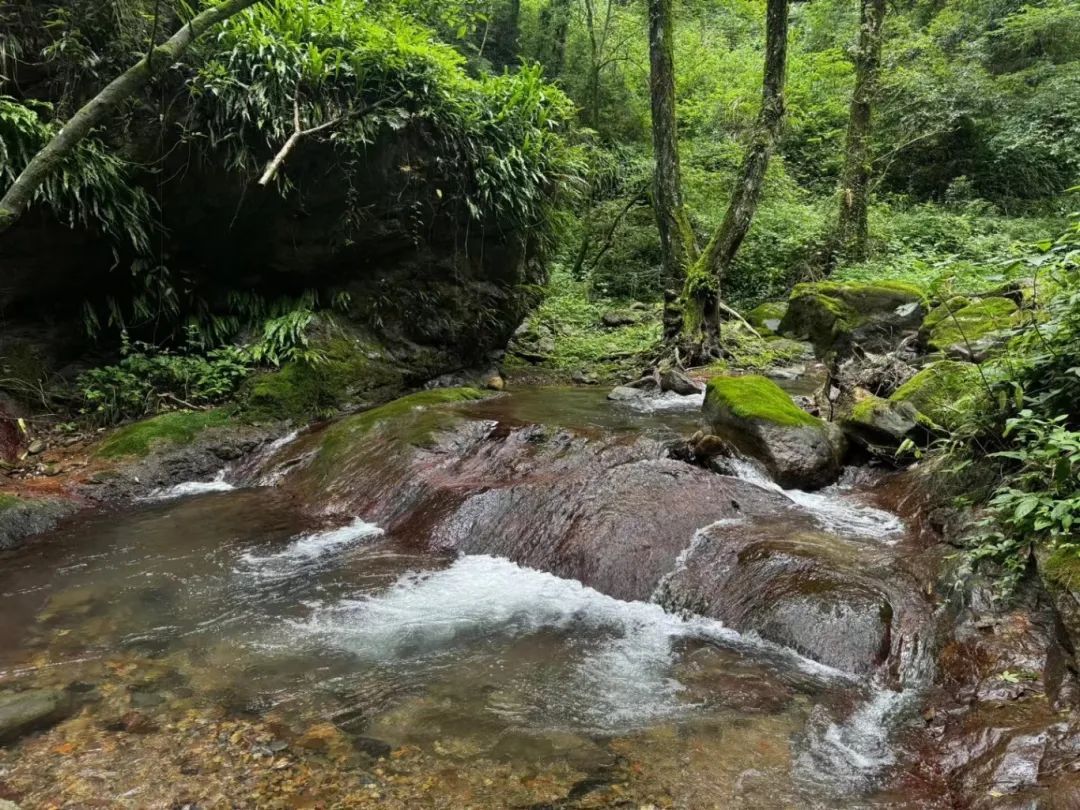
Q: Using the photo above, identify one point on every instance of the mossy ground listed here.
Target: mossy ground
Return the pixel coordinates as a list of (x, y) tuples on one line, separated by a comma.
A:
[(581, 343), (9, 501), (756, 398), (177, 427)]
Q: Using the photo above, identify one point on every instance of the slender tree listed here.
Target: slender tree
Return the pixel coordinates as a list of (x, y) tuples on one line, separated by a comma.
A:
[(676, 236), (851, 235), (555, 23), (96, 111), (701, 299)]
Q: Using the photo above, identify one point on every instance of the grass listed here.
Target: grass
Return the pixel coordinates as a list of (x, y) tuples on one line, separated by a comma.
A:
[(581, 342)]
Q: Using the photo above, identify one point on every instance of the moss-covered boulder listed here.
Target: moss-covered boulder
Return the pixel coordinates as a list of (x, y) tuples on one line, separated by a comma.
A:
[(881, 426), (947, 392), (761, 420), (766, 317), (837, 316), (970, 330)]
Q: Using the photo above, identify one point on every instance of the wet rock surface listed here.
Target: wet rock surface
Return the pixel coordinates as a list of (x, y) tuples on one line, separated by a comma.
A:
[(804, 589), (32, 710)]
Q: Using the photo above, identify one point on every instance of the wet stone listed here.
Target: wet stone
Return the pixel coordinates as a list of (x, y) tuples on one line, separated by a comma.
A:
[(24, 712)]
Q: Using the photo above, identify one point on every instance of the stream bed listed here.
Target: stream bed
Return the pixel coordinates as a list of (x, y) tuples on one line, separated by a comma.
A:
[(432, 634)]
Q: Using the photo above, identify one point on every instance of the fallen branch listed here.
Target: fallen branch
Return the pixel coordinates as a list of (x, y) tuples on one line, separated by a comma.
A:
[(299, 132), (722, 306)]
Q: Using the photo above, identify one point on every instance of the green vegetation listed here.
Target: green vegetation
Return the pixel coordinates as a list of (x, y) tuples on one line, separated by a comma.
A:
[(175, 428), (412, 419), (968, 324), (755, 398), (946, 392)]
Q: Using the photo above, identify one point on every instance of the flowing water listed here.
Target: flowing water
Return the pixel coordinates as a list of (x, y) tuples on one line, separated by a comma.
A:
[(252, 603)]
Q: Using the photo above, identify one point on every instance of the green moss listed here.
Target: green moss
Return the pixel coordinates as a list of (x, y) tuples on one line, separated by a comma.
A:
[(1062, 568), (766, 317), (941, 311), (868, 409), (8, 501), (755, 398), (300, 391), (946, 392), (951, 326), (745, 351), (177, 427), (570, 316), (413, 417), (826, 311)]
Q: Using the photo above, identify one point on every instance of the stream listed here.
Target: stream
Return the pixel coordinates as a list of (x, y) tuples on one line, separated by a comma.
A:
[(522, 585)]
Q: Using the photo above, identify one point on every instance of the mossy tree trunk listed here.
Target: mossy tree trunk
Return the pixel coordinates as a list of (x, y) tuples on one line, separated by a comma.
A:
[(94, 113), (851, 236), (676, 236), (702, 304)]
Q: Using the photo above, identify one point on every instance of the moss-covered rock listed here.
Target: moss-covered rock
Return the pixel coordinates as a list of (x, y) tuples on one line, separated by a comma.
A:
[(837, 316), (881, 426), (766, 317), (947, 392), (1060, 573), (969, 329), (174, 428), (410, 417), (300, 391), (756, 415)]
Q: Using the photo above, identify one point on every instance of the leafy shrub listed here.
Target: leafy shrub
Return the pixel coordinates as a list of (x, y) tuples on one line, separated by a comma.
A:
[(1038, 500)]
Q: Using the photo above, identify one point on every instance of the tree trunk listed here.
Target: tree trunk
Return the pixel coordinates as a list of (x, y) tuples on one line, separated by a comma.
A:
[(555, 22), (702, 303), (97, 110), (676, 236), (851, 237)]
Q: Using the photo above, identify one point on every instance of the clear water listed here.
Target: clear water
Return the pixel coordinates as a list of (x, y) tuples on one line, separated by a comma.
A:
[(251, 608)]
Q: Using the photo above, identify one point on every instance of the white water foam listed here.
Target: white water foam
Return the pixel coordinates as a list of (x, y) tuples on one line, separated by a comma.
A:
[(216, 484), (622, 680), (830, 508), (275, 476), (309, 548), (666, 402)]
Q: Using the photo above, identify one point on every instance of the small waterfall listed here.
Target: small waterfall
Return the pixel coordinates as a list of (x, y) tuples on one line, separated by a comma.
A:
[(215, 484), (622, 678), (831, 508)]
